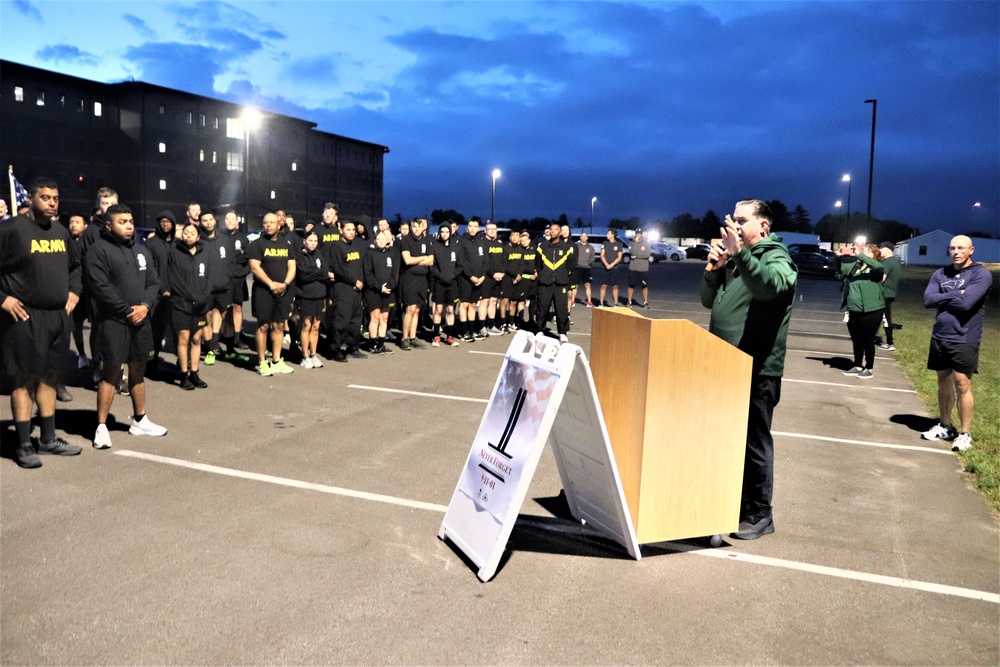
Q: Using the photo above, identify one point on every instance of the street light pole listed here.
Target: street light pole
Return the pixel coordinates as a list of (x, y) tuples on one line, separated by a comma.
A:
[(593, 200), (493, 197), (847, 179), (871, 159)]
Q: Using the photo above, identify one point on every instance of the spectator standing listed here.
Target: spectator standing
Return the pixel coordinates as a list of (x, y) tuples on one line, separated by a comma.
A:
[(381, 271), (584, 261), (347, 266), (749, 283), (444, 286), (190, 270), (959, 293), (890, 282), (638, 269), (472, 267), (863, 297), (417, 257), (124, 288), (311, 275), (273, 267), (232, 327), (161, 245), (554, 266), (611, 258)]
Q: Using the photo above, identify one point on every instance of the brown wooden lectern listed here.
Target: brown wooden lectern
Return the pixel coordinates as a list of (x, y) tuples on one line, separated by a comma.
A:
[(675, 401)]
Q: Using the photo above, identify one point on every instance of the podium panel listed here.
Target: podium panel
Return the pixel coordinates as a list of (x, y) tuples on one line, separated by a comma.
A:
[(675, 399)]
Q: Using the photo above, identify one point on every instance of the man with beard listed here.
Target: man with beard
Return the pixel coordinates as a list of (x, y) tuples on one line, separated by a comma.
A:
[(159, 245), (348, 274)]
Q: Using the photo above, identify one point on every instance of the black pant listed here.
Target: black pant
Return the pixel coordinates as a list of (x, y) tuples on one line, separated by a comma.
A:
[(888, 321), (553, 296), (160, 321), (347, 314), (862, 327), (758, 463)]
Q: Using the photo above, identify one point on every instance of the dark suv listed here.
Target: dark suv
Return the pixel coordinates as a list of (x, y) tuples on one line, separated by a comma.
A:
[(816, 264)]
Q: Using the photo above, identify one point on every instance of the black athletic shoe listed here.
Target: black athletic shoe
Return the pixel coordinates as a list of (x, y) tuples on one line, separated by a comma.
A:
[(186, 383), (417, 345), (58, 447), (754, 526), (26, 457), (197, 381), (340, 357), (62, 394), (357, 354)]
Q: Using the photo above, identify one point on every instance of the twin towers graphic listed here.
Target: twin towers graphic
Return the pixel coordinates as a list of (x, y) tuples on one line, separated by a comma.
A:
[(508, 431)]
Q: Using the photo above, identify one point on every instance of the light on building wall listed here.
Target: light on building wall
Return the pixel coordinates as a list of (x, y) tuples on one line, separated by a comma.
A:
[(163, 184), (295, 167), (163, 147), (272, 194)]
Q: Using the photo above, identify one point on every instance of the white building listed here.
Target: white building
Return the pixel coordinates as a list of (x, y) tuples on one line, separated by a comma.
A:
[(931, 249)]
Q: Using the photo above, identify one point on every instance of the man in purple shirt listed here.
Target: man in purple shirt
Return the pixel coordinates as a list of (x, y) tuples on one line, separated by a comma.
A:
[(959, 294)]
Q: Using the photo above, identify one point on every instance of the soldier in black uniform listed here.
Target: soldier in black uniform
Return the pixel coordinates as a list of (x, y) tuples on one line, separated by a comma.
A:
[(444, 286), (611, 259), (555, 266), (124, 289), (232, 326), (381, 278), (39, 288), (529, 277), (190, 274), (415, 252), (222, 255), (348, 273), (512, 289), (495, 267), (160, 245), (472, 266), (312, 272), (273, 266)]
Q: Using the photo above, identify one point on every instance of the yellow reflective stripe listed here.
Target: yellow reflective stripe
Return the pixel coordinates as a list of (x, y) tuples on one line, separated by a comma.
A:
[(555, 266)]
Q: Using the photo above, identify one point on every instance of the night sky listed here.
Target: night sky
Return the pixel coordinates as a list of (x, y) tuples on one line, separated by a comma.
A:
[(655, 108)]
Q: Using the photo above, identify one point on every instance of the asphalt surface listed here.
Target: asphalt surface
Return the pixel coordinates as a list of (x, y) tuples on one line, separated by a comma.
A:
[(883, 552)]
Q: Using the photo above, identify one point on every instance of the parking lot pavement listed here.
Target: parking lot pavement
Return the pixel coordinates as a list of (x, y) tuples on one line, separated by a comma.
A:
[(293, 520)]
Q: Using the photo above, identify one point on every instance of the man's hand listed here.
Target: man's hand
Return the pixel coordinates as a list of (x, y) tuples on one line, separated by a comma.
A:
[(71, 302), (277, 289), (731, 240), (717, 258), (358, 285), (478, 281), (386, 290), (138, 314), (13, 307), (498, 276)]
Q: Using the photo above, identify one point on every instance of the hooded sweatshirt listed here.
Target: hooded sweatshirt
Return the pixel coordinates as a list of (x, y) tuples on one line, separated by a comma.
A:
[(120, 274), (159, 246), (381, 267), (190, 278)]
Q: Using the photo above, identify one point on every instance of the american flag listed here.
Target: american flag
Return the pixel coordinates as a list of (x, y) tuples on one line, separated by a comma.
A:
[(19, 196)]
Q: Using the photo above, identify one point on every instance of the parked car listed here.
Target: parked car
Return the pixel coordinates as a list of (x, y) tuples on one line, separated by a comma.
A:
[(663, 251), (816, 264), (698, 251)]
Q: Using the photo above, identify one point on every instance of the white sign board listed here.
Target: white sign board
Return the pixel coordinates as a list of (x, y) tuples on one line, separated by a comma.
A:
[(544, 393)]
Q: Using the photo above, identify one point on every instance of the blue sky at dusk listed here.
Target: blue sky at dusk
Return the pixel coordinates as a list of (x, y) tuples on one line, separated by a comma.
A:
[(655, 108)]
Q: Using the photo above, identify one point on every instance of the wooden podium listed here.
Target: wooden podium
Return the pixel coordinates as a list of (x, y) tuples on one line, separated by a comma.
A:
[(675, 401)]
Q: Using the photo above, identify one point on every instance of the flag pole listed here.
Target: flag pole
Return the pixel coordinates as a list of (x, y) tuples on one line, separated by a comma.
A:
[(13, 195)]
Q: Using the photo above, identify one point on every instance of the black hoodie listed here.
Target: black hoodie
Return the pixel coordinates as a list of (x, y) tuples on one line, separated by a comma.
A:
[(311, 274), (381, 267), (223, 258), (160, 245), (445, 269), (190, 278), (120, 275), (472, 256)]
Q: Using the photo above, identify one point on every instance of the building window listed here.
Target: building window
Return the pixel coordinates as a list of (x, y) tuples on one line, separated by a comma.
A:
[(97, 108), (163, 109), (234, 161), (80, 106), (62, 101), (234, 128), (295, 167), (215, 157), (18, 94), (201, 119), (201, 155), (922, 250), (163, 147), (272, 194), (190, 118), (40, 100), (163, 184), (215, 123)]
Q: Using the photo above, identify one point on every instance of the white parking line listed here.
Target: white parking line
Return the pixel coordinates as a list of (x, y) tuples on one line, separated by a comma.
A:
[(828, 352), (897, 582), (866, 443), (852, 386), (423, 394), (283, 481), (492, 354)]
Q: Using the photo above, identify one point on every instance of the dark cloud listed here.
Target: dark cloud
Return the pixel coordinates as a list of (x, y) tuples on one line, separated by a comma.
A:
[(28, 9), (140, 26), (66, 53)]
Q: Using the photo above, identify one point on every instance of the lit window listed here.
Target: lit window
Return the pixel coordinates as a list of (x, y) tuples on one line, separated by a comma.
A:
[(272, 194), (234, 128), (163, 147), (295, 167), (62, 101), (163, 184), (18, 94), (201, 119), (234, 161), (190, 118), (80, 106), (215, 157), (97, 108), (163, 109), (201, 155), (215, 123), (40, 100)]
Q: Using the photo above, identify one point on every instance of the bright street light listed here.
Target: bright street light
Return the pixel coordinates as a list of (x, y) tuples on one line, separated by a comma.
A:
[(496, 175), (593, 201), (251, 121), (847, 179)]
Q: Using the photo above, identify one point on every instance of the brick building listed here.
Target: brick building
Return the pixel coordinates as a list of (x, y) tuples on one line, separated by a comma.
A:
[(163, 148)]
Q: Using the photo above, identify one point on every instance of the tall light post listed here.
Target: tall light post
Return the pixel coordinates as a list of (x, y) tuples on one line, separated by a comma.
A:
[(251, 121), (871, 159), (847, 179), (493, 197), (975, 209), (593, 200)]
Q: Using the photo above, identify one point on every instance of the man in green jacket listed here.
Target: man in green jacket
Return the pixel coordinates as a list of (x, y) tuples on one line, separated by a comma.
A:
[(893, 267), (749, 283)]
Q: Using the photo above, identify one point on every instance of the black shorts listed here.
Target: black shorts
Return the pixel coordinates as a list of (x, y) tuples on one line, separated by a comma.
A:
[(581, 275), (119, 343), (311, 308), (948, 356), (637, 278), (413, 290), (469, 293), (38, 346), (184, 321), (238, 291), (377, 301), (444, 293), (511, 290), (613, 276), (268, 308), (220, 301), (491, 288)]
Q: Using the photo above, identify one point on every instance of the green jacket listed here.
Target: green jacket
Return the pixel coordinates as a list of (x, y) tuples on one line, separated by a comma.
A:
[(751, 302), (862, 283), (893, 267)]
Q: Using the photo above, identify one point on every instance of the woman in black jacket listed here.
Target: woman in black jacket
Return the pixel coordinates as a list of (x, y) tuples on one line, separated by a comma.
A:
[(312, 273), (190, 288)]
